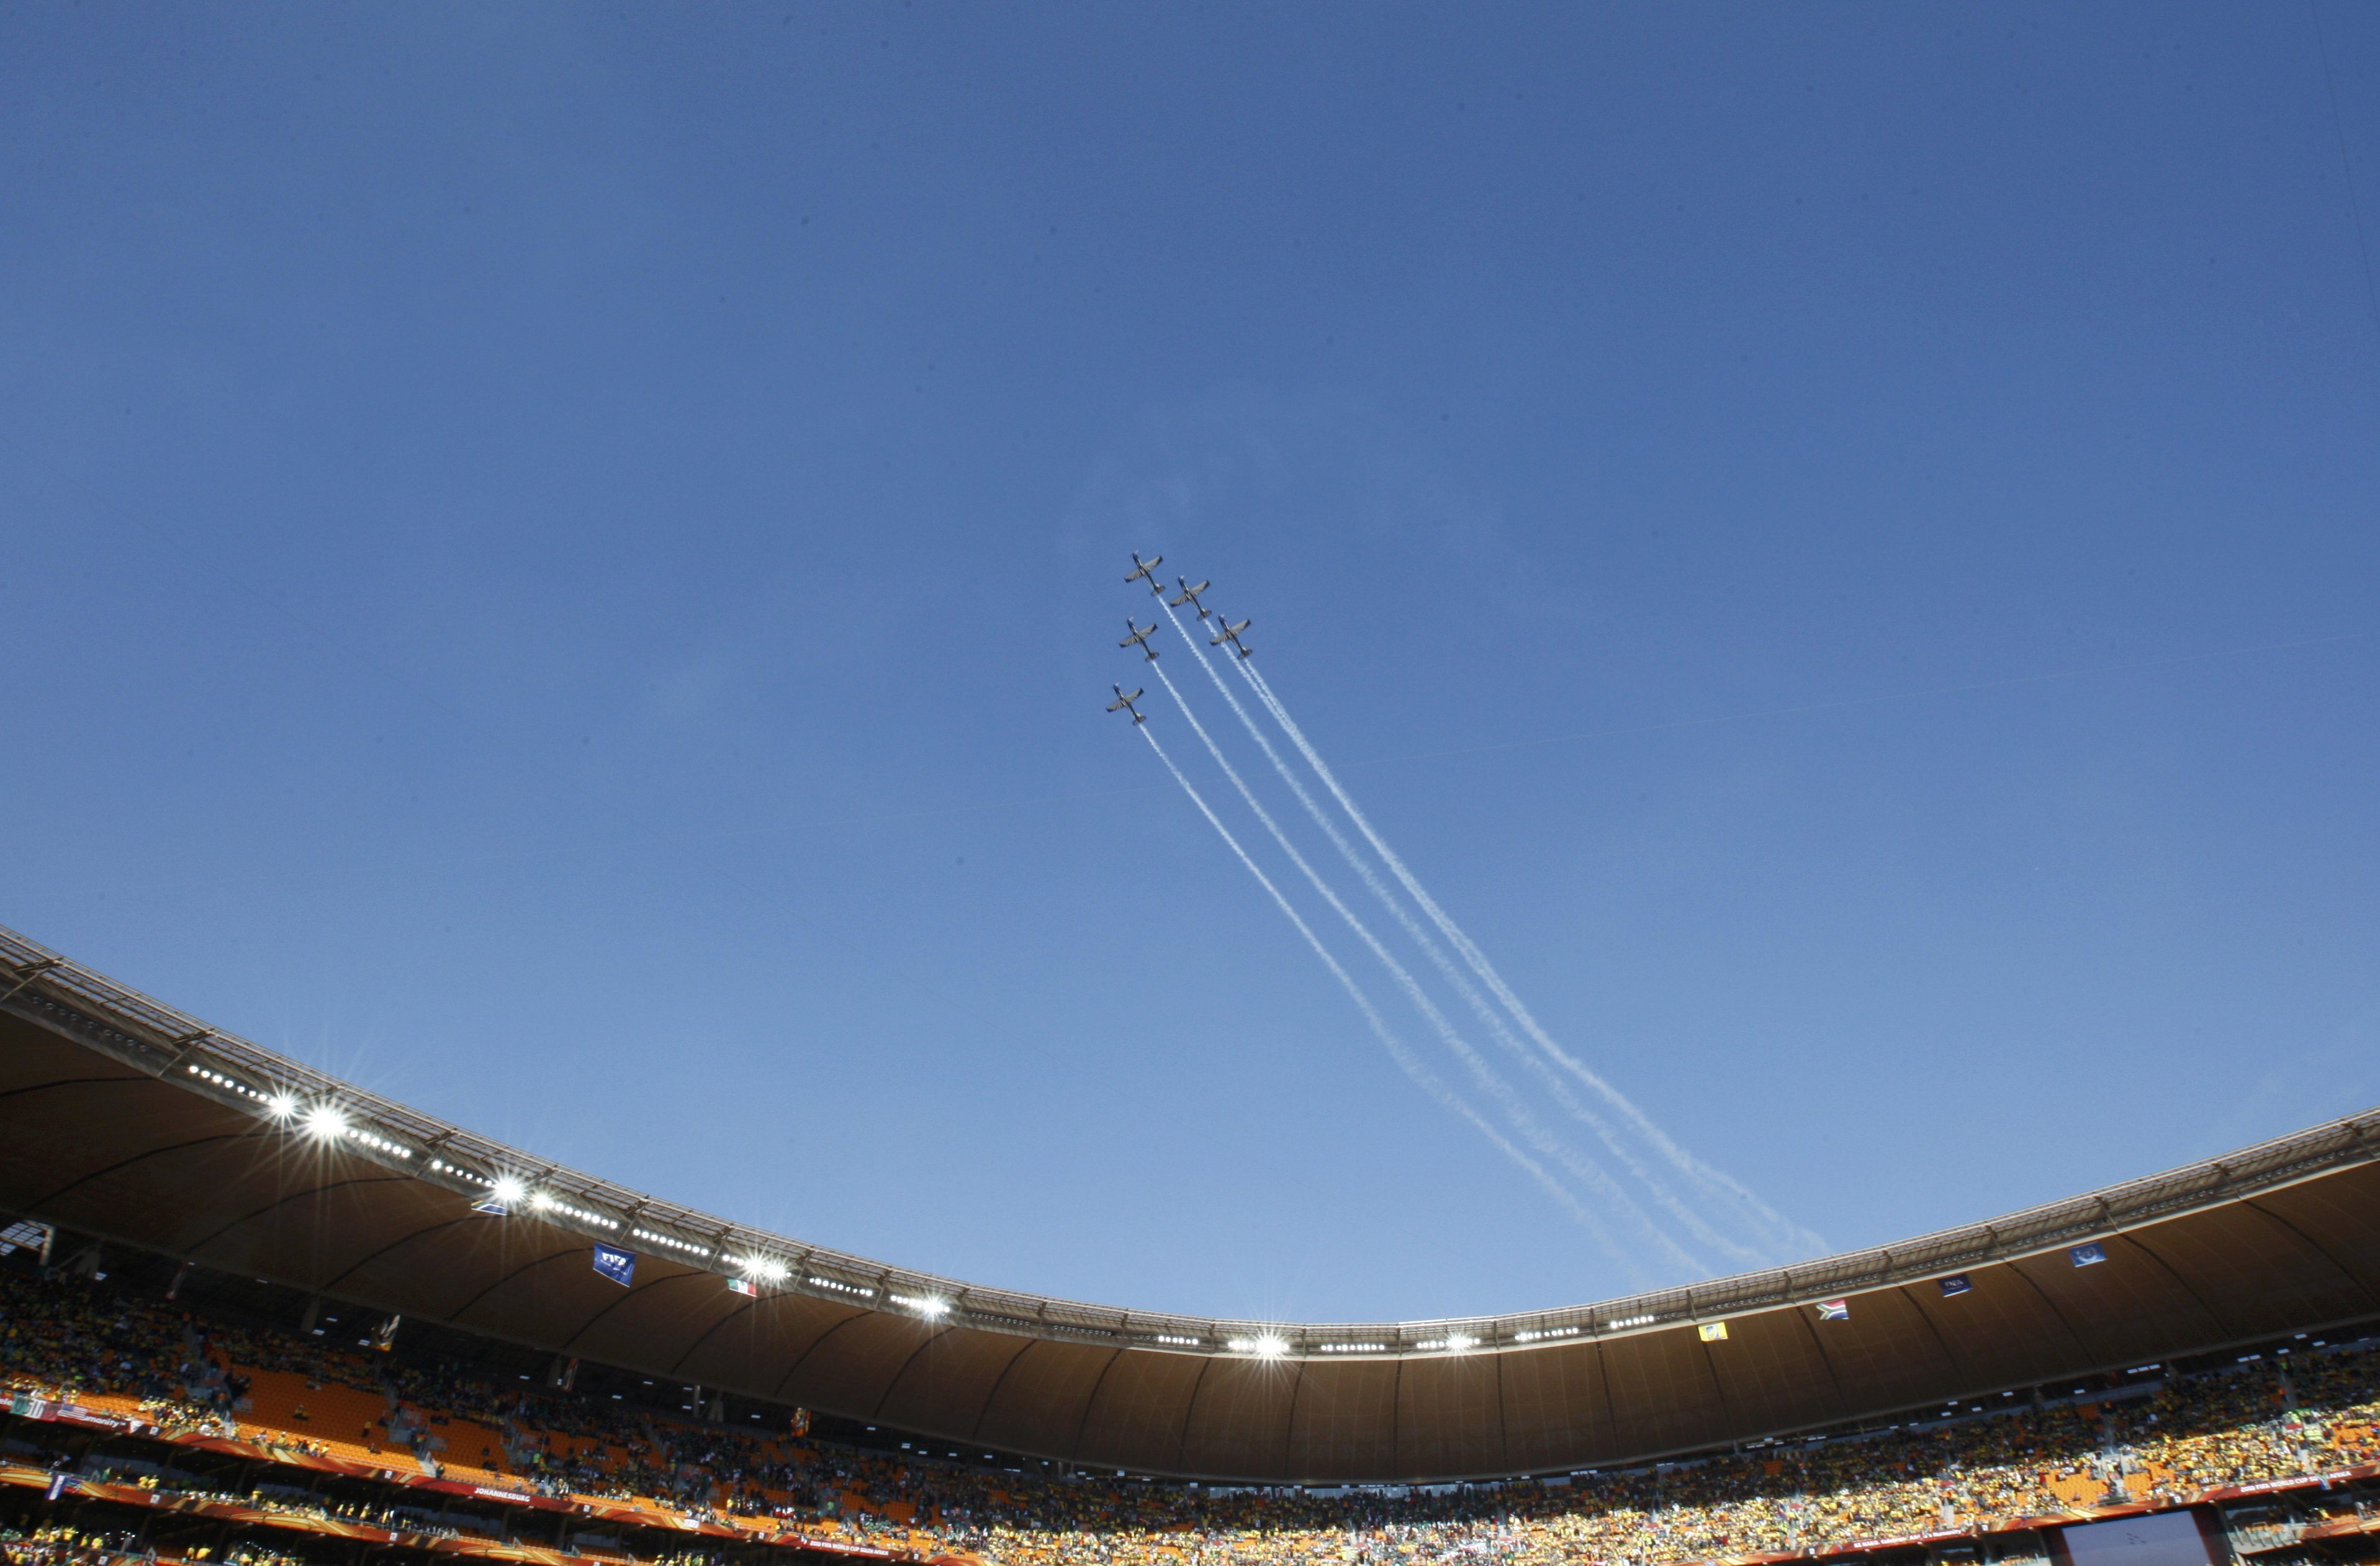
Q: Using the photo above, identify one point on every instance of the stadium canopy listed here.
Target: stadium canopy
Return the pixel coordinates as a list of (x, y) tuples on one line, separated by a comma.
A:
[(130, 1122)]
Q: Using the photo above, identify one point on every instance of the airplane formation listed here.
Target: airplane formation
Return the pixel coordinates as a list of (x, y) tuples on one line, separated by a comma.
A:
[(1137, 635)]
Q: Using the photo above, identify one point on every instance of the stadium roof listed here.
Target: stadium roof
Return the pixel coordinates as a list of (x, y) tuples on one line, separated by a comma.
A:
[(128, 1120)]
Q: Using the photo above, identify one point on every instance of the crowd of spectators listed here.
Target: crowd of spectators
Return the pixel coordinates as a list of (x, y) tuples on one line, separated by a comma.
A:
[(58, 1544), (2275, 1417)]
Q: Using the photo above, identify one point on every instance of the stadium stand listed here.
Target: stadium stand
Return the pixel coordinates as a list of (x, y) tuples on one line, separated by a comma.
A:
[(251, 1313), (130, 1412)]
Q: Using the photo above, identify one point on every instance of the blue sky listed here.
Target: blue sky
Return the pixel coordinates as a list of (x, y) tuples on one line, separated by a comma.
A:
[(564, 562)]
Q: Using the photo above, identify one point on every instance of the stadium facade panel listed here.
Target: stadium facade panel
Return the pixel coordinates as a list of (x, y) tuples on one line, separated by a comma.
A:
[(133, 1123)]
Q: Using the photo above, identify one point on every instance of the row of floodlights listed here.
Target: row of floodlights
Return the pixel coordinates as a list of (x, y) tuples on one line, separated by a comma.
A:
[(674, 1242), (232, 1085), (324, 1122), (1272, 1345)]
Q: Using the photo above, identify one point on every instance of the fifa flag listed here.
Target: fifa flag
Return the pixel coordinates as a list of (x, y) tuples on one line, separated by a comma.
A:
[(617, 1265), (2084, 1255), (492, 1206), (744, 1286), (1712, 1331), (1955, 1284), (1834, 1310)]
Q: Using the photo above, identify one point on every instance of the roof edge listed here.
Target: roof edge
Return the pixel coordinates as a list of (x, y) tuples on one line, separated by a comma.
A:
[(64, 996)]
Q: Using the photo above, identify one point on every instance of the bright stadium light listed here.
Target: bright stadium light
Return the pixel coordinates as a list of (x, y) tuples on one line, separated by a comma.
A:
[(1271, 1346), (508, 1189), (281, 1106), (325, 1123)]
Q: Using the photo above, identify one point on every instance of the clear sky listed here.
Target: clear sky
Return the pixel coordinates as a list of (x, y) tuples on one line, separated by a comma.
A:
[(564, 562)]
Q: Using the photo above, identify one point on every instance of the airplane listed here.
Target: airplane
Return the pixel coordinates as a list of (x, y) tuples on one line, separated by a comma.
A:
[(1190, 597), (1146, 568), (1124, 703), (1230, 633), (1140, 638)]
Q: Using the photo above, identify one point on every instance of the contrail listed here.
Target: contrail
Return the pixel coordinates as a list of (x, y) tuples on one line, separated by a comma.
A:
[(1713, 1182), (1483, 1075), (1420, 1074), (1659, 1192)]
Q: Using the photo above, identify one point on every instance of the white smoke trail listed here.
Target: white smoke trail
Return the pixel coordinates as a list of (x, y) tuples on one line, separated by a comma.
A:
[(1659, 1191), (1485, 1075), (1418, 1073), (1713, 1182)]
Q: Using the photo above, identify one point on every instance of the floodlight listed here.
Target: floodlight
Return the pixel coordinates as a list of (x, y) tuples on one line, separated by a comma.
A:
[(508, 1189), (1271, 1345), (281, 1106), (325, 1123)]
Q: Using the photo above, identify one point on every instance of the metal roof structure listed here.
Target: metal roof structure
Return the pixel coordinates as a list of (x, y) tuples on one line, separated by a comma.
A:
[(129, 1120)]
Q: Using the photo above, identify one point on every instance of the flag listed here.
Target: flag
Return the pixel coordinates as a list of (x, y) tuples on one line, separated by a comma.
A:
[(1955, 1284), (1712, 1331), (617, 1265), (493, 1206), (1834, 1310), (744, 1286), (2084, 1255), (57, 1487)]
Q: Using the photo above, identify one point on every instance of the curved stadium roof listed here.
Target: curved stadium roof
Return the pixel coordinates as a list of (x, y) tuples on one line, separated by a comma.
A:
[(129, 1121)]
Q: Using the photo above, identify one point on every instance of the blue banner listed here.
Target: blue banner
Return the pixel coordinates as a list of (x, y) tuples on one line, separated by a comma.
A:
[(617, 1265), (1955, 1284), (2086, 1255)]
